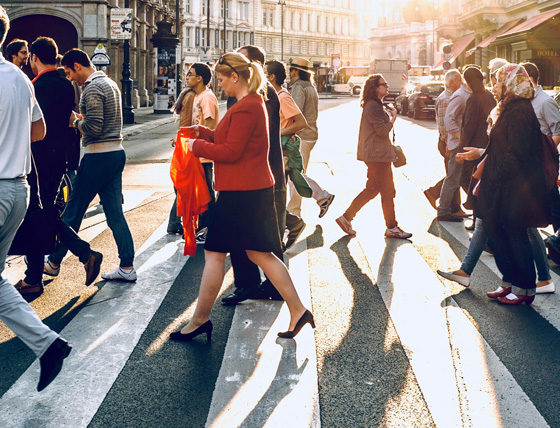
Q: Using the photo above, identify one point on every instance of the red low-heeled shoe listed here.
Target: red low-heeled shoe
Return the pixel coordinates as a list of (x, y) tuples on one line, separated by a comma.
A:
[(519, 299), (497, 294)]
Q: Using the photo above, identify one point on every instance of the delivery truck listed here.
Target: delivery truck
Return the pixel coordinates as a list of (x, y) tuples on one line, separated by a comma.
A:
[(395, 72)]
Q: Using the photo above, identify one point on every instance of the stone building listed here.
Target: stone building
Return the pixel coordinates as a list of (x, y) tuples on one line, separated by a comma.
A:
[(85, 25), (238, 24), (517, 30), (319, 30)]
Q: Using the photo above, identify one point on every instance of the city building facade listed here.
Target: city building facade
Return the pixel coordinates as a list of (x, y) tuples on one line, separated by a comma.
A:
[(476, 31), (86, 25)]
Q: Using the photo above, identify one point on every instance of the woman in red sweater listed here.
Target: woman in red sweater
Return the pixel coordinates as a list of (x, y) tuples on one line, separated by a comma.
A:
[(244, 216)]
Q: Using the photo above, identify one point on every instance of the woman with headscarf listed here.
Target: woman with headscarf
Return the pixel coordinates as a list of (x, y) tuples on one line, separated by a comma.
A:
[(512, 195)]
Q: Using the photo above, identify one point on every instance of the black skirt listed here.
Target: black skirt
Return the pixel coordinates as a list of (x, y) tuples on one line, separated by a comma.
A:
[(243, 220)]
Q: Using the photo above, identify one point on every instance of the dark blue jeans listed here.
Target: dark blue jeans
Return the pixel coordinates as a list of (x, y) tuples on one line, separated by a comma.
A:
[(100, 174)]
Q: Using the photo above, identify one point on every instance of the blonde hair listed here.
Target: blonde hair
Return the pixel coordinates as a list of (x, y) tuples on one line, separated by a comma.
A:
[(251, 72)]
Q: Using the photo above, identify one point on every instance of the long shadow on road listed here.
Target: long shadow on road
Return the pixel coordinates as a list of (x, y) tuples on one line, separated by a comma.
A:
[(365, 379), (171, 386)]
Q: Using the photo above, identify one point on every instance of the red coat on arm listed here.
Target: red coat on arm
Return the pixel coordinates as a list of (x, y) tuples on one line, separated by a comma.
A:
[(239, 147)]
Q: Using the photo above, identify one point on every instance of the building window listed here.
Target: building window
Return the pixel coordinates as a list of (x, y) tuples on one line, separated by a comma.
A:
[(243, 11), (187, 6), (271, 21), (203, 7), (228, 8), (293, 20), (265, 16), (187, 37), (318, 23), (203, 38)]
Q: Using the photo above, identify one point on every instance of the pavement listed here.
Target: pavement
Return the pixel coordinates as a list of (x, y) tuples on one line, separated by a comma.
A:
[(395, 345)]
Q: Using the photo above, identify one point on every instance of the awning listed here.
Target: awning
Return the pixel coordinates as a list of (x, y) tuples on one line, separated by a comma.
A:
[(533, 22), (486, 42), (457, 49)]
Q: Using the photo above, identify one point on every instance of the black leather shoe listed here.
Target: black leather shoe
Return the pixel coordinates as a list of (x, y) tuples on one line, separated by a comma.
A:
[(294, 232), (238, 296), (51, 362), (267, 291)]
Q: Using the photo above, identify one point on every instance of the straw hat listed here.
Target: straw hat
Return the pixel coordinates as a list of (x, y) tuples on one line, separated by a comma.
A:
[(301, 64)]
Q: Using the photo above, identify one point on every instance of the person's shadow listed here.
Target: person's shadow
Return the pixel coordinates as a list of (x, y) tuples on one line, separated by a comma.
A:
[(368, 357), (287, 377)]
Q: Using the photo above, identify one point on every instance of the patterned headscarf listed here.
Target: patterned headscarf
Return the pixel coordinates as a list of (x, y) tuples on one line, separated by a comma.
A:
[(515, 83)]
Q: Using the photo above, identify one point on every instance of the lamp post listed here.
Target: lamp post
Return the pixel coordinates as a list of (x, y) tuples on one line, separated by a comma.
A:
[(225, 22), (433, 32), (282, 3), (207, 26), (126, 82), (180, 59)]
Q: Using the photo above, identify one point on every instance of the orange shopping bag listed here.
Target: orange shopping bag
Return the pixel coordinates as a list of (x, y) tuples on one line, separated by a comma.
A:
[(193, 196)]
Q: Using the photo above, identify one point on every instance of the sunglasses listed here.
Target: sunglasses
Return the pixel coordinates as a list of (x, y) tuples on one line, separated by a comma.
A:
[(222, 61)]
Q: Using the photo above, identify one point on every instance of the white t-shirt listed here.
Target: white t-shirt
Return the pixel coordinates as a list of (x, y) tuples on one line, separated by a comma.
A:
[(18, 108)]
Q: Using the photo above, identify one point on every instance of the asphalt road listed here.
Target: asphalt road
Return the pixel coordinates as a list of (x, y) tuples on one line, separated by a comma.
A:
[(367, 367)]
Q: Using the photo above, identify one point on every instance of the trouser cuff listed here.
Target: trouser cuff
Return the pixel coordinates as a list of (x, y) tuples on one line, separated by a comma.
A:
[(518, 291)]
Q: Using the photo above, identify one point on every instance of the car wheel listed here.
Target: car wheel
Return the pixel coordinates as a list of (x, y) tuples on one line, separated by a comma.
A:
[(356, 90)]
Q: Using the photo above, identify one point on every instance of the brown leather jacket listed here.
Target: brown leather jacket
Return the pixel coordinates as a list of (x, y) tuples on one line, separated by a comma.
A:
[(374, 143)]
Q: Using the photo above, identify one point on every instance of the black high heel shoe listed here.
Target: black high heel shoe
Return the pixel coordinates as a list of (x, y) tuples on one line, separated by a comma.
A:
[(204, 328), (307, 317)]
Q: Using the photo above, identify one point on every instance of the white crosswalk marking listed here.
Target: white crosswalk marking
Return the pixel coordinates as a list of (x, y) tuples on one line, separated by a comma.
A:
[(103, 336)]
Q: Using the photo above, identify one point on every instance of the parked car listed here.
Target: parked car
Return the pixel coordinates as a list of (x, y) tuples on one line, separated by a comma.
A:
[(401, 102), (422, 101)]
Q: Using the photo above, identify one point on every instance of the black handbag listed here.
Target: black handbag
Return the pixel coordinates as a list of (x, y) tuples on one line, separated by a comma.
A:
[(400, 158), (37, 234)]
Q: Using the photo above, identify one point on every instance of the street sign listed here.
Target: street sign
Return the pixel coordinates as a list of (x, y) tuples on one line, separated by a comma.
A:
[(100, 57), (121, 24)]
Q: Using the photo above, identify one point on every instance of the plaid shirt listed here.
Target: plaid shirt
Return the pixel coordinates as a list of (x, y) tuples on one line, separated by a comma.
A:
[(442, 101)]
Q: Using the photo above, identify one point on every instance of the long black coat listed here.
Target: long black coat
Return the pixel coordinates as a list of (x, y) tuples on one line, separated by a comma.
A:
[(512, 188)]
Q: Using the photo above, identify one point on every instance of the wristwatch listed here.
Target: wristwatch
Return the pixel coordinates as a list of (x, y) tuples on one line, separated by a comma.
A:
[(75, 122)]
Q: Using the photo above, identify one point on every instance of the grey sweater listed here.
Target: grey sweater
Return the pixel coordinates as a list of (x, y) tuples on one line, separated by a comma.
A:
[(101, 106)]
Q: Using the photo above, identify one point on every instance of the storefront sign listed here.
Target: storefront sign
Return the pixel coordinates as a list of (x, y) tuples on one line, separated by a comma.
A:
[(121, 24), (548, 52)]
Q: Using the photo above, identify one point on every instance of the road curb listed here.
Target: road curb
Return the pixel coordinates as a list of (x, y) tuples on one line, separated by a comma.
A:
[(142, 127)]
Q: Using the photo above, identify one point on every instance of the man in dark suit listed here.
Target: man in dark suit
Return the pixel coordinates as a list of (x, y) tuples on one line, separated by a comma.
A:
[(246, 274), (55, 96)]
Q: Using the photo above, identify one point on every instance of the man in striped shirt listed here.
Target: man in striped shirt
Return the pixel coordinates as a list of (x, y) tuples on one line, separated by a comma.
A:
[(100, 170)]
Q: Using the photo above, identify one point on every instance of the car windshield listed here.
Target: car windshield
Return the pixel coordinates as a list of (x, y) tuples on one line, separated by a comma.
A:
[(434, 89)]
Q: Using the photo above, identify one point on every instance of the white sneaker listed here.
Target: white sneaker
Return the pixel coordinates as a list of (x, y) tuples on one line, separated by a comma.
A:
[(549, 288), (324, 205), (465, 281), (49, 269), (120, 275)]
